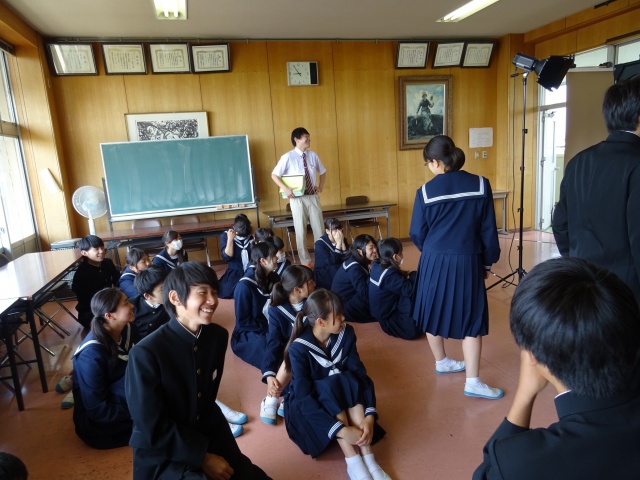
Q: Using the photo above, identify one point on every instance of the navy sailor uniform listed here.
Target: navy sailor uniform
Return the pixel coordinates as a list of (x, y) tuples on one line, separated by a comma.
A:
[(454, 226), (172, 383), (126, 283), (282, 266), (351, 282), (281, 321), (236, 264), (249, 337), (101, 415), (328, 259), (391, 297), (164, 260), (325, 381)]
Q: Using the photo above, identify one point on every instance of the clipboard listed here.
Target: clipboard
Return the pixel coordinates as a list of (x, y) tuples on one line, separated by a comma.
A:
[(295, 183)]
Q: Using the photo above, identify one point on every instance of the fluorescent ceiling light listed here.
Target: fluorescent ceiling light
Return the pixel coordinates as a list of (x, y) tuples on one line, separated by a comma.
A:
[(171, 9), (466, 10)]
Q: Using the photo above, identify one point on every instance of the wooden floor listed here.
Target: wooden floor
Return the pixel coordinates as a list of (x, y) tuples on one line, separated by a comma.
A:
[(433, 431)]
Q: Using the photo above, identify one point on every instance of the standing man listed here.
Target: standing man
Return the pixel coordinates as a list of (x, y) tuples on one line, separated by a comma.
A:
[(306, 208), (598, 215)]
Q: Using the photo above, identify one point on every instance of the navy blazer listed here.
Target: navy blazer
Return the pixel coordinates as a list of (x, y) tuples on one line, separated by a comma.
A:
[(89, 280), (148, 319), (594, 439), (597, 215)]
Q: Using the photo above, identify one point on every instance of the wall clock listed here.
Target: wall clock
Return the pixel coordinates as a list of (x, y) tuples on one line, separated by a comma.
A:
[(302, 73)]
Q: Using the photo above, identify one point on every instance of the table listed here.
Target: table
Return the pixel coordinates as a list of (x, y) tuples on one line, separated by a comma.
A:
[(283, 218), (131, 237), (502, 195)]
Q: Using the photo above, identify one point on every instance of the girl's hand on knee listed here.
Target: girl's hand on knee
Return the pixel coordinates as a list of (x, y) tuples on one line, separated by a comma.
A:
[(366, 427), (216, 467), (274, 387)]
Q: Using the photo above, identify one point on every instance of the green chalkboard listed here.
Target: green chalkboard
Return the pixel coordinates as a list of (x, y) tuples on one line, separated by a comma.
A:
[(167, 177)]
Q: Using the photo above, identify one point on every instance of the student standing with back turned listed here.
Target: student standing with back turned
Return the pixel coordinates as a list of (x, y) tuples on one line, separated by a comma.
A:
[(307, 208)]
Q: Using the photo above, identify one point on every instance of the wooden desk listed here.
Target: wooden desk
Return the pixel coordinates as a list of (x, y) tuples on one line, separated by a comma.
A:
[(135, 236), (502, 195), (283, 218), (34, 273)]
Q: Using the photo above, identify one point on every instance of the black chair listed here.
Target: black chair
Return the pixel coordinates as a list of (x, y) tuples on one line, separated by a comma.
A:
[(152, 248), (11, 320), (364, 222)]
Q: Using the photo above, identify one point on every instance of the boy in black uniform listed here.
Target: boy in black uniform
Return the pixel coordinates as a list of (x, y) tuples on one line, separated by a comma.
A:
[(93, 274), (172, 381), (147, 306)]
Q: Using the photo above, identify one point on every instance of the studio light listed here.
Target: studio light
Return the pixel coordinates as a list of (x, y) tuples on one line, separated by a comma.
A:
[(550, 71), (624, 71)]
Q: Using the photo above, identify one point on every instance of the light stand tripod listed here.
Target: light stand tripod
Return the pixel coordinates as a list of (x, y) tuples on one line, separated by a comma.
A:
[(519, 270), (551, 71)]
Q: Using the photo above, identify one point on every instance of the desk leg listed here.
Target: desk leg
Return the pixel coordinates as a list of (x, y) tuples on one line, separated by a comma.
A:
[(36, 347), (388, 222), (17, 389)]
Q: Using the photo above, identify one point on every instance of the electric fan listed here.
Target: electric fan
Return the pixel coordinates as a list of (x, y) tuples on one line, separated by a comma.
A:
[(90, 203)]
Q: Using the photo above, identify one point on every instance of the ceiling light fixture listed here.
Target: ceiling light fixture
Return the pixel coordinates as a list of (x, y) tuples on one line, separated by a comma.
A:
[(466, 10), (170, 9)]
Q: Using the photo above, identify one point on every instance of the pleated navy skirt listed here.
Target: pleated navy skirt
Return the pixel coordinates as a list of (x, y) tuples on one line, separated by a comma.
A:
[(451, 301)]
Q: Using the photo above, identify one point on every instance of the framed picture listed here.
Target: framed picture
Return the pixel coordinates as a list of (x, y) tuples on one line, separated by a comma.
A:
[(426, 105), (412, 55), (448, 55), (210, 58), (166, 126), (169, 57), (477, 55), (72, 59), (120, 58)]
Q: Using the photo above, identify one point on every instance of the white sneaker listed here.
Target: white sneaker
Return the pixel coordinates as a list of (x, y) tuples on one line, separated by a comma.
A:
[(64, 384), (453, 367), (67, 401), (268, 413), (281, 409), (236, 430), (232, 416), (375, 470), (483, 391)]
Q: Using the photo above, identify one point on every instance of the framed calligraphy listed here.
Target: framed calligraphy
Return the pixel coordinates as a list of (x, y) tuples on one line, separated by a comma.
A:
[(170, 58), (448, 55), (120, 58), (477, 55), (210, 58), (412, 55), (72, 59), (166, 126)]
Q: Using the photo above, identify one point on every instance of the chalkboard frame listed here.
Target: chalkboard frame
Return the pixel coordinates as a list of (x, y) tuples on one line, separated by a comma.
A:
[(167, 212)]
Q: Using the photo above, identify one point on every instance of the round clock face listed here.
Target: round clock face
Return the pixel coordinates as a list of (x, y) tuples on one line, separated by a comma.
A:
[(299, 73)]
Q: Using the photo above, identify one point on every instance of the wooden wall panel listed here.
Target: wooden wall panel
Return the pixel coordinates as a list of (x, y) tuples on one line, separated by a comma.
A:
[(365, 109), (597, 34), (162, 93), (561, 45)]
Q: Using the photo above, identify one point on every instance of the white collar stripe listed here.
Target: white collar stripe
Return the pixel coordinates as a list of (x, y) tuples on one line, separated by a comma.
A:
[(440, 198)]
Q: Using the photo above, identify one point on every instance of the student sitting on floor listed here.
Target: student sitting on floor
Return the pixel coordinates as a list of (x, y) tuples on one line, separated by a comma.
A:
[(173, 253), (281, 255), (137, 261), (236, 246), (577, 327), (249, 337), (101, 415), (331, 397), (263, 234), (287, 299), (93, 274), (331, 249), (172, 383), (392, 292), (351, 281)]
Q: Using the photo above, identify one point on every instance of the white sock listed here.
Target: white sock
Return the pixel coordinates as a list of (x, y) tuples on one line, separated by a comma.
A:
[(223, 407), (475, 382), (271, 401), (356, 469), (374, 469)]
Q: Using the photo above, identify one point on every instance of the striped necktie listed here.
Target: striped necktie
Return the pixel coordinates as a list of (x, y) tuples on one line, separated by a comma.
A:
[(308, 190)]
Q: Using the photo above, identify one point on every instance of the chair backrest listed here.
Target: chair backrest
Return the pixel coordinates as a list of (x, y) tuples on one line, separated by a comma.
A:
[(184, 219), (288, 207), (149, 222), (356, 200), (3, 260)]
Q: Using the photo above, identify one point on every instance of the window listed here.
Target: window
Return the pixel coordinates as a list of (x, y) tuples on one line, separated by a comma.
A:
[(17, 226), (628, 52)]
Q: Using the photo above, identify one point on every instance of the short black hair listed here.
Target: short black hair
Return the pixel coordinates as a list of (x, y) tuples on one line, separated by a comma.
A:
[(581, 322), (262, 234), (621, 105), (332, 224), (298, 133), (242, 225), (277, 241), (90, 241), (182, 278), (360, 243), (147, 280), (12, 468), (134, 255)]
